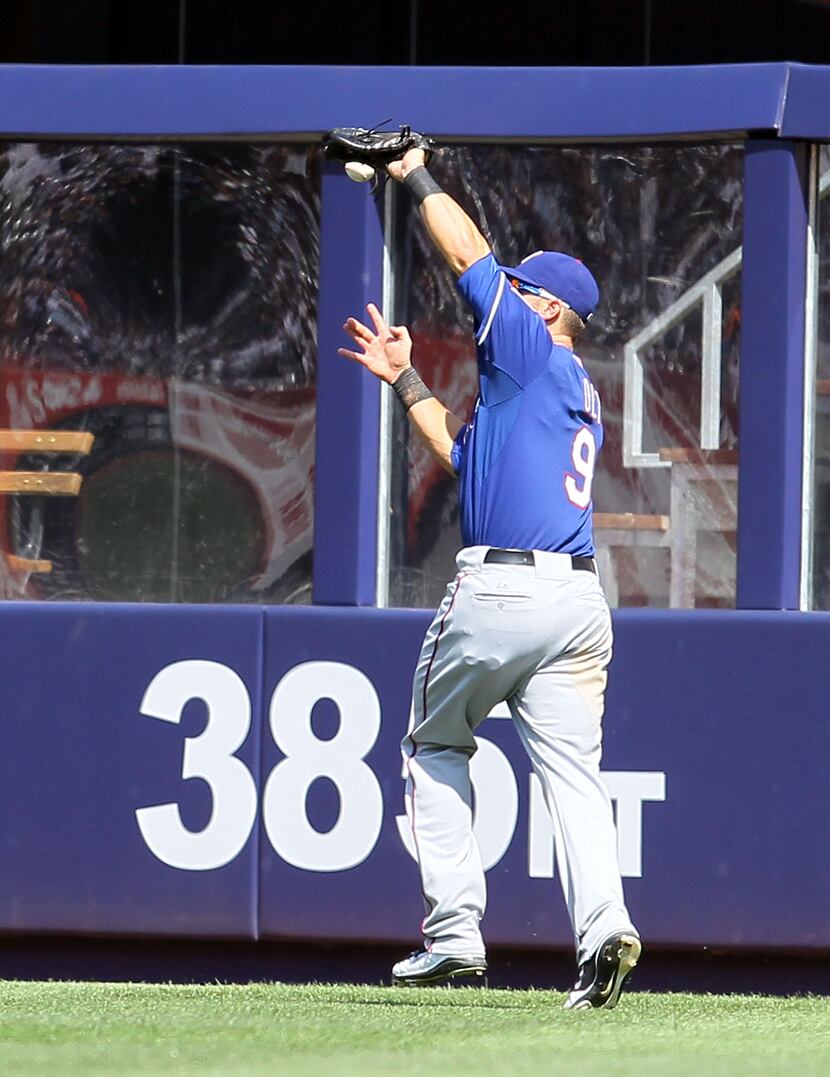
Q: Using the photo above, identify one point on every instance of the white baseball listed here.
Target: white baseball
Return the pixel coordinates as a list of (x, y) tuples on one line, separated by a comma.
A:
[(359, 171)]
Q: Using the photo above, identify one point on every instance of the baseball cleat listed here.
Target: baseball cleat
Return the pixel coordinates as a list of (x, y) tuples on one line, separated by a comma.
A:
[(423, 969), (602, 976)]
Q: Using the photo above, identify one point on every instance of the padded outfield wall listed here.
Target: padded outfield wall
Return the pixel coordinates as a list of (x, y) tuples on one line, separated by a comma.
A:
[(232, 771), (287, 723)]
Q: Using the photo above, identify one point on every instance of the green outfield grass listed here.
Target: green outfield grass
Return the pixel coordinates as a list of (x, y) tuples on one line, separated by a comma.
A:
[(68, 1028)]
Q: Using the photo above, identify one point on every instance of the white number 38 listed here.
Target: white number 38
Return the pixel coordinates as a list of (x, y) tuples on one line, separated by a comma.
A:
[(211, 756)]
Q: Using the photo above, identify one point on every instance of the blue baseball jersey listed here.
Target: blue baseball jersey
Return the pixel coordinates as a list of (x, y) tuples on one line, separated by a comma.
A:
[(526, 459)]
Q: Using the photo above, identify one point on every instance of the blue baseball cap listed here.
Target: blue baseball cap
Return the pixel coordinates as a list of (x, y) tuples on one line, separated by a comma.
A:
[(561, 275)]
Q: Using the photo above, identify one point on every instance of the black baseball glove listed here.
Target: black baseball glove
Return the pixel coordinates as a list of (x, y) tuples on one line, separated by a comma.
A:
[(375, 148)]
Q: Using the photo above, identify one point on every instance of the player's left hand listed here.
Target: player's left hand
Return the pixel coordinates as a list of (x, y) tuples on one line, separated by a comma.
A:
[(386, 350), (411, 160)]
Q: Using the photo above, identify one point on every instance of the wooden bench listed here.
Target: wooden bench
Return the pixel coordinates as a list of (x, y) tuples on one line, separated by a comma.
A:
[(48, 483), (630, 521)]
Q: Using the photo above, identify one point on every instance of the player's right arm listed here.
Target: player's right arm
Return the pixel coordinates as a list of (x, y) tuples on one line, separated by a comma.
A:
[(452, 230), (386, 351), (438, 428)]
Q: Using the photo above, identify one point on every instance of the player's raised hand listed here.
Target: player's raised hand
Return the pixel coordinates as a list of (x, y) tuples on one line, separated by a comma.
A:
[(386, 350), (411, 159)]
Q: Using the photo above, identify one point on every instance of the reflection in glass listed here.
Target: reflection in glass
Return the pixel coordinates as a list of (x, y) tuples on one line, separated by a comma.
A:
[(164, 299), (660, 226)]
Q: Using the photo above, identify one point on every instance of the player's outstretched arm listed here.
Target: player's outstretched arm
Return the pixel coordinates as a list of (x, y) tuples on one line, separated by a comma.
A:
[(386, 351), (450, 227)]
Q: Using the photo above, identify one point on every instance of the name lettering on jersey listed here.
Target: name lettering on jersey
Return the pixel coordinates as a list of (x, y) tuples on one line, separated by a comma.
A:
[(591, 405)]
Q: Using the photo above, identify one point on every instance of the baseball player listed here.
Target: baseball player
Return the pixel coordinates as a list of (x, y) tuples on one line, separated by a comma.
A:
[(525, 620)]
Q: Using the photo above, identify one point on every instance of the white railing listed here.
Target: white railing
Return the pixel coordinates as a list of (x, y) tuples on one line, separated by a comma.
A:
[(707, 292)]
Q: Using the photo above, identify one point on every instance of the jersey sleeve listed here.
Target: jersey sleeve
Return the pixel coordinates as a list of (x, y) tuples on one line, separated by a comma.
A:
[(512, 342), (480, 286)]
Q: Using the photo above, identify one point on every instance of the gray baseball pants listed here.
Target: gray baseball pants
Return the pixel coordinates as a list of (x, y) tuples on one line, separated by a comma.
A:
[(540, 638)]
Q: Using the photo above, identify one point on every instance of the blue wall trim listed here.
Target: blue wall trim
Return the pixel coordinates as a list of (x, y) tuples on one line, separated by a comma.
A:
[(805, 112), (521, 103), (348, 397), (772, 375)]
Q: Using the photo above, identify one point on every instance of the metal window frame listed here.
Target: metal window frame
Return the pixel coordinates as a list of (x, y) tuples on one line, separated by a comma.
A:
[(706, 292), (386, 415), (815, 185)]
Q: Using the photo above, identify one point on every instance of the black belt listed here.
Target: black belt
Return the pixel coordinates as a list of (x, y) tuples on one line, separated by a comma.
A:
[(495, 556)]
